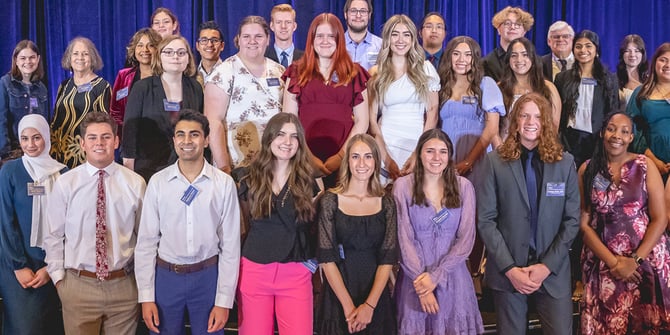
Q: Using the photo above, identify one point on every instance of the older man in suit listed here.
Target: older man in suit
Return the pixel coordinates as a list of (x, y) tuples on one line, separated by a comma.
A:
[(559, 39), (283, 25), (528, 207)]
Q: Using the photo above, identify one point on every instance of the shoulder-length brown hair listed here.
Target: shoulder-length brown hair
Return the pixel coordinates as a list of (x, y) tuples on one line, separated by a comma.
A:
[(156, 61), (251, 19), (451, 197), (308, 64), (549, 148), (96, 60), (261, 172), (374, 185), (15, 72), (154, 39)]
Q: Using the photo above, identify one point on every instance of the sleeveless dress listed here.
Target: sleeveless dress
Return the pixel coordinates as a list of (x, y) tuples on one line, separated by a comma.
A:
[(402, 115), (620, 218), (441, 249), (357, 244)]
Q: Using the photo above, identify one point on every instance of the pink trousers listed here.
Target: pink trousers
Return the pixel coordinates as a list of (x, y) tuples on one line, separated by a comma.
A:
[(281, 289)]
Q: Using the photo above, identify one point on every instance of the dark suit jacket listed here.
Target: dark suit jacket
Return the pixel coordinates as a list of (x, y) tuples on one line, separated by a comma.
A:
[(503, 213), (547, 67), (148, 128), (271, 53), (493, 64)]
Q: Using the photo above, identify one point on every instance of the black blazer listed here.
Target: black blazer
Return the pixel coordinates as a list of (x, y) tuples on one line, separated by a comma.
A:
[(272, 54), (148, 129), (493, 64)]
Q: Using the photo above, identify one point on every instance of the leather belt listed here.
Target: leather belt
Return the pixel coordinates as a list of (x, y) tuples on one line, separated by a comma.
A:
[(187, 268), (88, 274)]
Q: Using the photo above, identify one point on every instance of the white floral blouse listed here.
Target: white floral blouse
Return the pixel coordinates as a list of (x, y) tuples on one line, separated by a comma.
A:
[(253, 101)]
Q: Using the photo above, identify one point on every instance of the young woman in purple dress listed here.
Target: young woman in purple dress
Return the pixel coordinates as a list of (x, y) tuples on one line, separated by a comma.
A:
[(436, 232)]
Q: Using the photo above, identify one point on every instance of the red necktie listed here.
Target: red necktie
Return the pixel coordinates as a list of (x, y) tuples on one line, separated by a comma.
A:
[(101, 264)]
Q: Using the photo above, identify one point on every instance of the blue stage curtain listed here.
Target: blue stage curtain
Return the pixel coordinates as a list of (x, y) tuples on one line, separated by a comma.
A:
[(111, 23)]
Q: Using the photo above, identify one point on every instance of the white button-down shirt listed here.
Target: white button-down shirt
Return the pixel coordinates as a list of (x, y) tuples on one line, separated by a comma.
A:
[(364, 53), (72, 217), (182, 233)]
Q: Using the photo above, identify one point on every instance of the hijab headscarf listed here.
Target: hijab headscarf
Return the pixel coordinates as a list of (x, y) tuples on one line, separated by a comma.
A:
[(43, 170)]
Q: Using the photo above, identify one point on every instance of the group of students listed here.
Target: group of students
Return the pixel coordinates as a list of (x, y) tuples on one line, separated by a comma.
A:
[(474, 143)]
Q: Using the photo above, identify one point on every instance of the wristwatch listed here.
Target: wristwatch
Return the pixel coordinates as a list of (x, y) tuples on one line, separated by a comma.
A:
[(639, 260)]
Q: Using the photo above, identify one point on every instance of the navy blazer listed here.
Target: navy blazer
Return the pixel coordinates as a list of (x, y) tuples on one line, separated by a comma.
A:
[(271, 53), (503, 213), (547, 67)]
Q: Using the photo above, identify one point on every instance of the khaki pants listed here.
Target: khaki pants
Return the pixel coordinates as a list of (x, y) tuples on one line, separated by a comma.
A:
[(97, 307)]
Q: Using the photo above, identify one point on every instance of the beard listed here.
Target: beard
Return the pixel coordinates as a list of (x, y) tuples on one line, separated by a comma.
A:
[(357, 29)]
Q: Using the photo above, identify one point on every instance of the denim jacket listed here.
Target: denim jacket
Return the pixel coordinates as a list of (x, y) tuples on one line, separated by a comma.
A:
[(15, 104)]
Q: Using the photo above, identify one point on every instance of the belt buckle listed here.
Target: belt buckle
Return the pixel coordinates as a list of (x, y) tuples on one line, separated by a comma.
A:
[(176, 268)]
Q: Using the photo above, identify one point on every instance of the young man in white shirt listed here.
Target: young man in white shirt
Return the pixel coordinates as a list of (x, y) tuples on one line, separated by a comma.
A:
[(94, 212), (188, 246)]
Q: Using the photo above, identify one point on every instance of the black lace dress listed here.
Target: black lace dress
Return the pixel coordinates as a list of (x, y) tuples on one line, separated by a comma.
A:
[(357, 244)]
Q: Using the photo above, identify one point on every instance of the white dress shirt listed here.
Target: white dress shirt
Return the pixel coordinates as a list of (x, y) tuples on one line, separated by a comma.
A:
[(186, 234), (71, 218)]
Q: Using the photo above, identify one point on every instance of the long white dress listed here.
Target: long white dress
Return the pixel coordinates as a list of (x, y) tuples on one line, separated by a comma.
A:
[(402, 115)]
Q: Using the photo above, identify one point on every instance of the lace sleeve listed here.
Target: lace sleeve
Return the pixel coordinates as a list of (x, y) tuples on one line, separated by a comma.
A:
[(327, 248), (388, 251)]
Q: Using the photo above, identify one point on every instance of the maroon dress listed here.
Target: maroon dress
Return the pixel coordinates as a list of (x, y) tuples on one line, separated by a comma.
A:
[(620, 218), (326, 110)]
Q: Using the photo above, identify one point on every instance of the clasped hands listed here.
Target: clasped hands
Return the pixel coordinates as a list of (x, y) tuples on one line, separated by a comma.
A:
[(358, 317), (528, 279), (626, 269), (424, 287), (29, 279)]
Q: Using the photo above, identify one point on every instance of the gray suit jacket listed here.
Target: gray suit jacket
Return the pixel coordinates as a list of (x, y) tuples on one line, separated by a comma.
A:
[(503, 220)]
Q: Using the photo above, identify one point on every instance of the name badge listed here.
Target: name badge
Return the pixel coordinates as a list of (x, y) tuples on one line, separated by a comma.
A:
[(341, 249), (589, 81), (469, 100), (600, 183), (441, 216), (272, 81), (122, 93), (34, 189), (84, 88), (555, 189), (311, 265), (171, 106), (33, 102), (189, 195), (334, 78)]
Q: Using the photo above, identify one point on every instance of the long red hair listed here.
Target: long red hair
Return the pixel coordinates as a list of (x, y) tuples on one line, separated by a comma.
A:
[(308, 65)]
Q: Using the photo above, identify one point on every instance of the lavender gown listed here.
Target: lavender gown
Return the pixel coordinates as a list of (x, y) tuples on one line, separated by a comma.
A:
[(441, 250)]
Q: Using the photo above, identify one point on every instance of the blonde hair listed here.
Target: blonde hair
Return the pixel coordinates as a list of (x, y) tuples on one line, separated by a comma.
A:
[(284, 7), (380, 83), (525, 18)]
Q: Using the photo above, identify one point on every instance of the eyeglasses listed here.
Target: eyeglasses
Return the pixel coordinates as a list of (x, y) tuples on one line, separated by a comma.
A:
[(509, 24), (362, 12), (205, 40), (632, 51), (171, 53), (558, 37), (433, 27)]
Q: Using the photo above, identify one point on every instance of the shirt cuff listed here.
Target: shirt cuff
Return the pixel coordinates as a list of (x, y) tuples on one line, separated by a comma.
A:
[(223, 300), (146, 295)]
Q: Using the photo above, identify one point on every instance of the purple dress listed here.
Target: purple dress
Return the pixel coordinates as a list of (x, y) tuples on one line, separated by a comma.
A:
[(620, 218), (440, 249)]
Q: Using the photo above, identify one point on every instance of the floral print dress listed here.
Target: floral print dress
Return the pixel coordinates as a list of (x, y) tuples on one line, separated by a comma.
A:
[(620, 218), (253, 101)]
